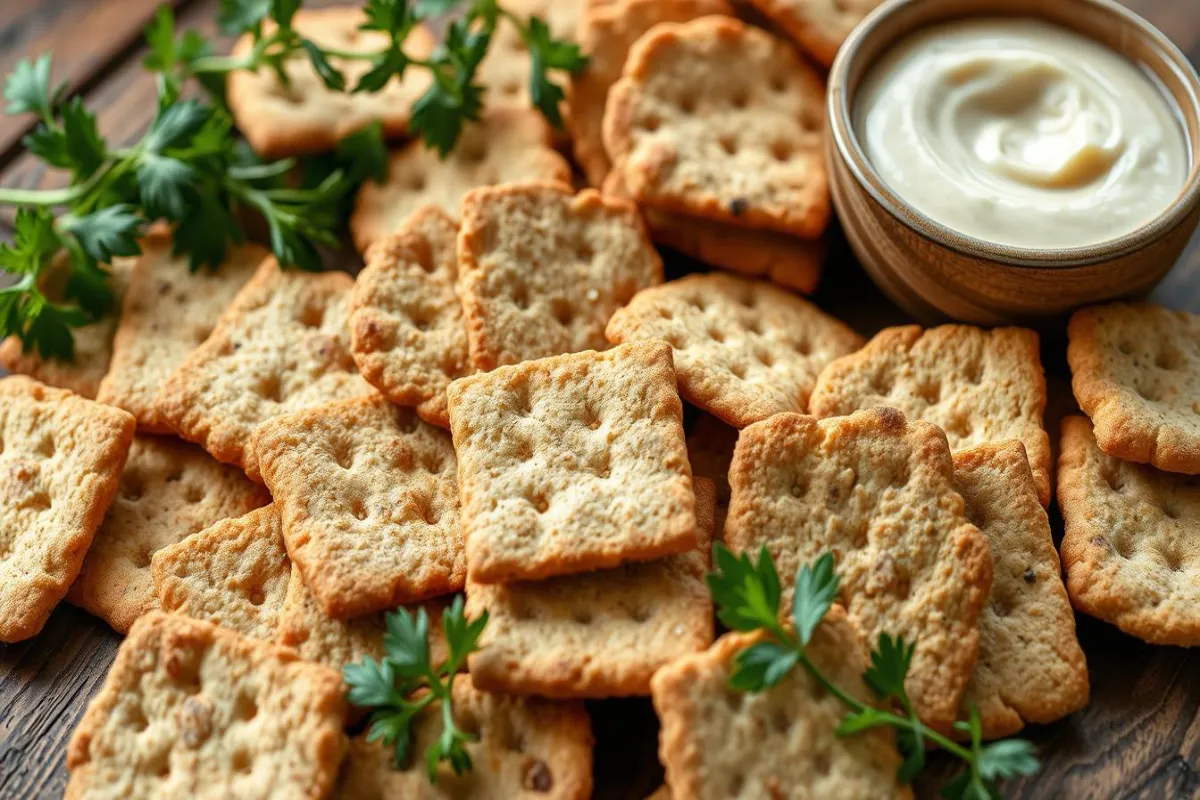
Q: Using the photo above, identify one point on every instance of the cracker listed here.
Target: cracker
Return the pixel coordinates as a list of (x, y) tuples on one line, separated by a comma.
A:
[(543, 269), (526, 747), (979, 386), (710, 445), (599, 634), (60, 459), (719, 119), (305, 116), (282, 345), (572, 463), (878, 492), (1135, 369), (169, 310), (818, 26), (1131, 547), (233, 574), (369, 501), (782, 742), (508, 146), (1030, 668), (191, 710), (168, 490), (744, 350)]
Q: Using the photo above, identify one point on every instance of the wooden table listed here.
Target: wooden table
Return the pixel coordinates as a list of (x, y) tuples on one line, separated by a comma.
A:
[(1139, 737)]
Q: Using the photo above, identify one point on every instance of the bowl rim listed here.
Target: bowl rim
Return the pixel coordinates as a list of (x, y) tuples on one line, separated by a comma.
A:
[(840, 115)]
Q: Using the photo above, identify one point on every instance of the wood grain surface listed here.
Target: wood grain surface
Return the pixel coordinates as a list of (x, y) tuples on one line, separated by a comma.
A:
[(1138, 738)]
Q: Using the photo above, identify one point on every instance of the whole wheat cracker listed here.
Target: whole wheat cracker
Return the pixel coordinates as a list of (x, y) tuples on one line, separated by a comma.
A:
[(818, 26), (1131, 548), (717, 743), (719, 119), (168, 490), (192, 710), (572, 463), (369, 501), (542, 269), (979, 386), (282, 345), (744, 350), (60, 459), (878, 492)]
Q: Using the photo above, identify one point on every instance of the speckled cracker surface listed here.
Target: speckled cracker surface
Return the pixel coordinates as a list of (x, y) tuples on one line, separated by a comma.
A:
[(1135, 369), (60, 459), (281, 346), (1030, 668), (541, 270), (744, 350), (305, 116), (716, 743), (572, 463), (877, 491), (527, 748), (169, 310), (719, 119), (1131, 548), (191, 710), (369, 501), (978, 386), (169, 489), (818, 26)]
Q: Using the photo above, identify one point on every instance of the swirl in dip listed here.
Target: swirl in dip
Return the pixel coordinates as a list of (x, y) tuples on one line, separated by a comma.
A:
[(1022, 133)]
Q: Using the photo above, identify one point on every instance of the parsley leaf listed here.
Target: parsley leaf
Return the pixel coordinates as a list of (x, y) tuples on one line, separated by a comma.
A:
[(889, 667), (107, 232), (547, 53), (34, 242), (329, 75), (27, 88), (816, 587), (761, 666), (242, 16), (747, 595)]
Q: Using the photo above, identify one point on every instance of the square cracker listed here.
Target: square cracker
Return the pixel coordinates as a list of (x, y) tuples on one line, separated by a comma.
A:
[(542, 269), (306, 117), (1135, 369), (598, 634), (168, 490), (369, 501), (192, 710), (878, 492), (979, 386), (60, 459), (718, 119), (281, 346), (782, 742), (525, 748), (233, 574), (1030, 668), (572, 463), (1131, 546), (818, 26), (744, 350), (169, 310)]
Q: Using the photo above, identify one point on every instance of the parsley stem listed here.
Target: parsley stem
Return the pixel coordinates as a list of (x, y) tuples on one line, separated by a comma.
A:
[(55, 197)]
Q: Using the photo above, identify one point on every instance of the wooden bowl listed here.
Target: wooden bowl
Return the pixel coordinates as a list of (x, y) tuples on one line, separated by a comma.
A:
[(936, 273)]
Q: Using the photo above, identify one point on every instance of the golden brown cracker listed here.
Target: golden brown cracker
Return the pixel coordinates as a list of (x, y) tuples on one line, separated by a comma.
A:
[(818, 26)]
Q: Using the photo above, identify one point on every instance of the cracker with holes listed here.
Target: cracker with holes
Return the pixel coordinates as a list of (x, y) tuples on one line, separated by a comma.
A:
[(282, 345), (234, 574), (508, 145), (781, 742), (1131, 548), (1135, 369), (369, 501), (878, 491), (60, 460), (305, 116), (979, 386), (192, 710), (1030, 668), (168, 490), (719, 119), (522, 747), (818, 26), (572, 463), (542, 269), (744, 350), (169, 310), (407, 333), (599, 634)]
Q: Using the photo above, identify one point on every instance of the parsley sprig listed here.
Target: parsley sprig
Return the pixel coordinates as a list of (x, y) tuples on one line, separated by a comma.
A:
[(747, 595)]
